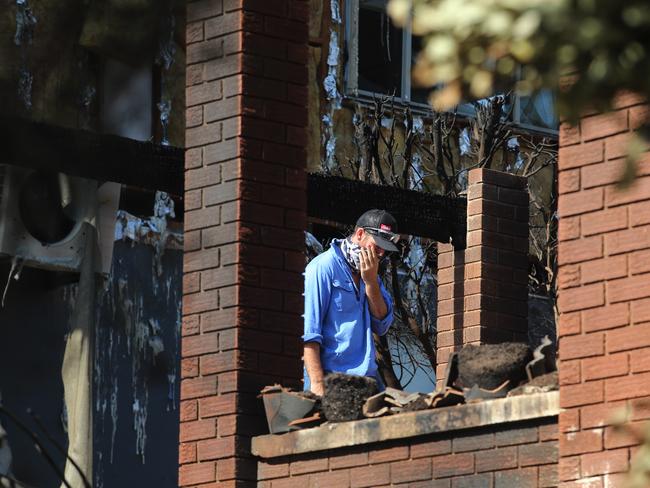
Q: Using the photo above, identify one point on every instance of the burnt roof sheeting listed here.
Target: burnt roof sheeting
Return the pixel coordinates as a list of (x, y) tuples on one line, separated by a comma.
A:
[(91, 155), (422, 214)]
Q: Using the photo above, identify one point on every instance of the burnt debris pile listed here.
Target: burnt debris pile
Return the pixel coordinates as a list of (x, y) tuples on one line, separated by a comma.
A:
[(475, 373), (491, 365), (345, 396)]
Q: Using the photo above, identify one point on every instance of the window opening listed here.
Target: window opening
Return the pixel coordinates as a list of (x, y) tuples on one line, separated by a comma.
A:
[(380, 63), (381, 59)]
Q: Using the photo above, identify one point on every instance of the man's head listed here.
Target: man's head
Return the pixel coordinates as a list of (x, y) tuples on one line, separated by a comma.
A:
[(378, 229)]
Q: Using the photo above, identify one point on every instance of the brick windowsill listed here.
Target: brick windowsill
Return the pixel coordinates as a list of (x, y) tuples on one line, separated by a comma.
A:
[(346, 434)]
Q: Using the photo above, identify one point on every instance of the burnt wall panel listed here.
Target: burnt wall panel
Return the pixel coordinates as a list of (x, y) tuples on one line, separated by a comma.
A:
[(136, 370), (136, 375), (33, 324)]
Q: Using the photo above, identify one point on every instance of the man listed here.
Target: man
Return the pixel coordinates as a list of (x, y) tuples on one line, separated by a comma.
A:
[(345, 302)]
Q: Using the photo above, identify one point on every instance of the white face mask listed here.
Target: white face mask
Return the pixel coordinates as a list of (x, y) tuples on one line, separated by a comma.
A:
[(351, 252)]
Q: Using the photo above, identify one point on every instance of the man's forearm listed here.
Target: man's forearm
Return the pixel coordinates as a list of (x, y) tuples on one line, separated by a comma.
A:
[(311, 357), (376, 303)]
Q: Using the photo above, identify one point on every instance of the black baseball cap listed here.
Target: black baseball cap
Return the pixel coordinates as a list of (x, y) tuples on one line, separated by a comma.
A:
[(382, 226)]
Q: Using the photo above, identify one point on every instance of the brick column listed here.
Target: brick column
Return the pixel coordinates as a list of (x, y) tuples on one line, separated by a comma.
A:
[(604, 295), (482, 290), (245, 212)]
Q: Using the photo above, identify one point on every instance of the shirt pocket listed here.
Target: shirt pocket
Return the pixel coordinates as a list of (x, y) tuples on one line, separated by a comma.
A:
[(343, 296)]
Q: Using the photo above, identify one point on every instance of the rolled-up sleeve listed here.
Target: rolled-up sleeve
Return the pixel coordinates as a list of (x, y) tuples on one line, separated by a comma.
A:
[(317, 297), (381, 326)]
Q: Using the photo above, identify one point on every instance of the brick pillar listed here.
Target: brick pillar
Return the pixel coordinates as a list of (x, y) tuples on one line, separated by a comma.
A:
[(482, 290), (604, 295), (245, 212)]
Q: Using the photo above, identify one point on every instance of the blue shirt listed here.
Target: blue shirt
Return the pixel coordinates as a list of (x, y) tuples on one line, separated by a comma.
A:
[(337, 315)]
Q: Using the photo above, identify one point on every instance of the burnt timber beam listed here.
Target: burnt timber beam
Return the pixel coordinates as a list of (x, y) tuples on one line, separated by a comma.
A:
[(421, 214), (86, 154), (146, 165)]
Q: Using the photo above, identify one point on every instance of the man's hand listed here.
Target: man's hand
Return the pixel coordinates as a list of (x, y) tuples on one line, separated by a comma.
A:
[(369, 266)]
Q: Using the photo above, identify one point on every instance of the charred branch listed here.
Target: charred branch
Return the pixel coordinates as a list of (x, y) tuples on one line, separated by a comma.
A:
[(385, 362), (423, 337)]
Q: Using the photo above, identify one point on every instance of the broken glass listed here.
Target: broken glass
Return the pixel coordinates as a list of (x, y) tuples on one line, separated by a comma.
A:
[(538, 110)]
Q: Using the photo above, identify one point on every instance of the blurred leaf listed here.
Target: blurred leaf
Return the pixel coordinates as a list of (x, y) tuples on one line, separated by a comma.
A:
[(636, 146), (447, 97), (478, 43), (399, 10)]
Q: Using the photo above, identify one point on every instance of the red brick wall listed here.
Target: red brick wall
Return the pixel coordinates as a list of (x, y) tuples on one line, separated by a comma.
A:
[(244, 219), (482, 290), (604, 295), (520, 455)]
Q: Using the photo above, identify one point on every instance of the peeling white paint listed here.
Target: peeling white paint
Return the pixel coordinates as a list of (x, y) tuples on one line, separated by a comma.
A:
[(145, 231), (155, 341), (25, 23), (140, 424), (171, 393), (86, 99), (162, 210), (513, 146), (165, 59), (330, 83), (462, 180), (138, 328), (418, 125), (99, 471), (114, 398), (25, 85), (87, 96), (464, 142), (329, 141), (164, 107), (334, 51), (335, 10)]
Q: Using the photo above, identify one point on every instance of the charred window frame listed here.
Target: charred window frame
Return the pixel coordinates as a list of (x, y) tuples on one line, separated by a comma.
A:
[(387, 70)]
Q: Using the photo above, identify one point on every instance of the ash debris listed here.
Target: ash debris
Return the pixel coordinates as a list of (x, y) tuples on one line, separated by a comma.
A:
[(419, 403), (540, 384), (490, 365), (345, 396)]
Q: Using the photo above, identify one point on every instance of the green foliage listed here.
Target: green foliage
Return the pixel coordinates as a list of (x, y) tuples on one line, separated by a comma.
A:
[(473, 47), (639, 473)]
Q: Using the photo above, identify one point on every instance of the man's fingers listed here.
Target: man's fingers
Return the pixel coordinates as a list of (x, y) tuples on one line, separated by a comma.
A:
[(362, 259), (373, 253), (372, 256)]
